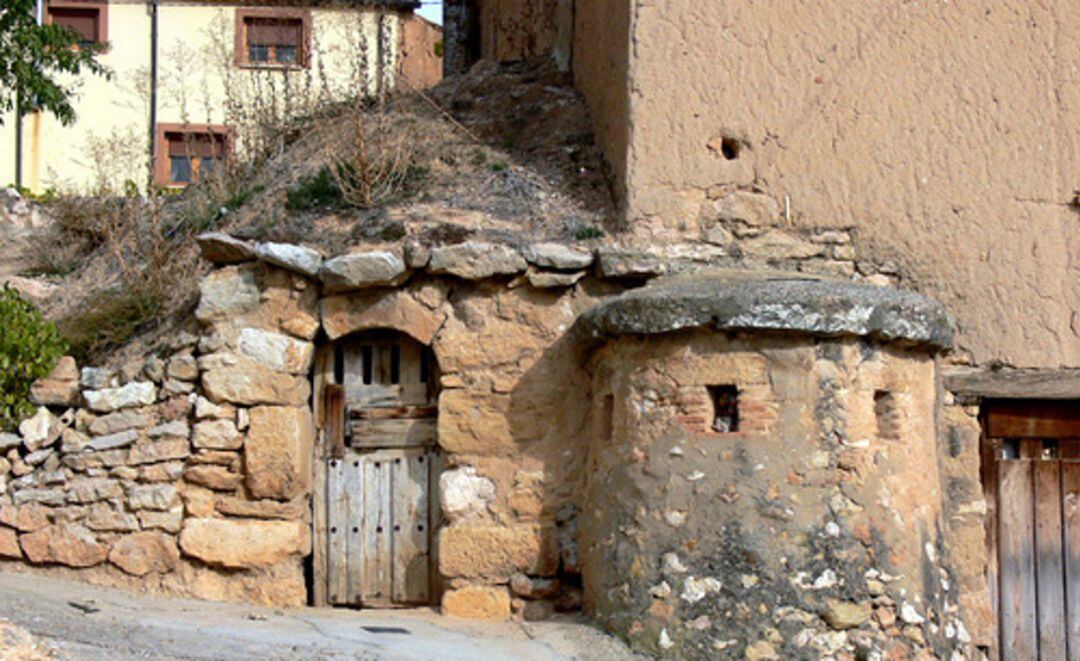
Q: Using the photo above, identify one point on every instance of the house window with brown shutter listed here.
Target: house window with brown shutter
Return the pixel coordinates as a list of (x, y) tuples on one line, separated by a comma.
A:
[(272, 38), (87, 19), (187, 154)]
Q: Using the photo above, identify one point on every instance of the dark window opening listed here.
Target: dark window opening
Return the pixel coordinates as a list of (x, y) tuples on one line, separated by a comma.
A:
[(339, 364), (368, 354), (395, 363), (425, 365), (886, 415), (85, 21), (725, 400)]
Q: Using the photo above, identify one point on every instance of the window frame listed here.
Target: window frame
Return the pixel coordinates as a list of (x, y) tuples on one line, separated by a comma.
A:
[(303, 53), (102, 9), (162, 164)]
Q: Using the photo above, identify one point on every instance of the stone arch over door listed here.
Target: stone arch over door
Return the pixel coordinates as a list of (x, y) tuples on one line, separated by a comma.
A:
[(377, 467)]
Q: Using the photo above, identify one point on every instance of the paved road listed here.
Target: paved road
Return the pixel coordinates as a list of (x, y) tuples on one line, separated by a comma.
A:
[(123, 625)]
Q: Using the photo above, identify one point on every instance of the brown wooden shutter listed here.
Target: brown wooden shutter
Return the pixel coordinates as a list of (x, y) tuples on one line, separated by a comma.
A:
[(274, 32), (199, 145), (83, 21)]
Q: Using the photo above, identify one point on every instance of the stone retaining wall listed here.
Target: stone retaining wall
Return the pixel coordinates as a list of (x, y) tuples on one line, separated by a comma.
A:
[(191, 472)]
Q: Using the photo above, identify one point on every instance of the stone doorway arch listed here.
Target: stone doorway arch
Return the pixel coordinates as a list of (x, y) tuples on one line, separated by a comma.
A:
[(377, 469)]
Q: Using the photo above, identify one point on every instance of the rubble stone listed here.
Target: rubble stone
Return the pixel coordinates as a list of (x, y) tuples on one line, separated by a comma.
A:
[(220, 248), (304, 261), (464, 495), (159, 497), (145, 552), (217, 435), (226, 293), (497, 552), (278, 452), (9, 544), (252, 383), (558, 256), (476, 261), (50, 392), (361, 270), (66, 544), (120, 421), (40, 430), (276, 351), (477, 602), (217, 478), (106, 400)]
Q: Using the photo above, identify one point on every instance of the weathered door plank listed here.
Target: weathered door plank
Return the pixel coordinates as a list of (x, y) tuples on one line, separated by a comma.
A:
[(338, 508), (376, 570), (410, 532), (1049, 561), (1019, 623), (1070, 487)]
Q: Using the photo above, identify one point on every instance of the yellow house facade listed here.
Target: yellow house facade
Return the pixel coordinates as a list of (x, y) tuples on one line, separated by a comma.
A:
[(192, 80)]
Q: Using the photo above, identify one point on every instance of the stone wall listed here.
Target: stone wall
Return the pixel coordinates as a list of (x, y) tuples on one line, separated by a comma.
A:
[(191, 472), (132, 477)]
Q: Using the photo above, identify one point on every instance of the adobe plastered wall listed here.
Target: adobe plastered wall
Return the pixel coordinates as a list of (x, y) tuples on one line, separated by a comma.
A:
[(601, 60), (947, 134)]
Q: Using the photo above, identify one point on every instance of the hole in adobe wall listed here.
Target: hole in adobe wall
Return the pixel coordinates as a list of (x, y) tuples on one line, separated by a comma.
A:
[(885, 413), (730, 148), (725, 401)]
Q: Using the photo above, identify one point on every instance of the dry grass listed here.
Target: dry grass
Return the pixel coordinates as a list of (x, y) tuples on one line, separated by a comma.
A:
[(515, 162)]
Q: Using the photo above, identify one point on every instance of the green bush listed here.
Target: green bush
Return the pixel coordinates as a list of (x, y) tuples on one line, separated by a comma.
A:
[(29, 349)]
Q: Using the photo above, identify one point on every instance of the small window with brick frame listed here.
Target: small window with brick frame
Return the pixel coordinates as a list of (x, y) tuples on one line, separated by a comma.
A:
[(725, 401), (272, 38)]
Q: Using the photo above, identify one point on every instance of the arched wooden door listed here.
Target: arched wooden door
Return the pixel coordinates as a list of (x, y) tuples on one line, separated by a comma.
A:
[(380, 472)]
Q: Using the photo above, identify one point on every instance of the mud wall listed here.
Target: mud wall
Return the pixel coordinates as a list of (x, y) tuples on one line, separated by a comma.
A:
[(947, 134)]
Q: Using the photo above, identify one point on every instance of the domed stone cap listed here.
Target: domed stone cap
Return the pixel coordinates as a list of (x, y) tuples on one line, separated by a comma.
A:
[(748, 301)]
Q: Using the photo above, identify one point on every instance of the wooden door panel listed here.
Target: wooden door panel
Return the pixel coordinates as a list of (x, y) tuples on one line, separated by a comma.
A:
[(411, 557), (1016, 561), (1070, 483), (1049, 561)]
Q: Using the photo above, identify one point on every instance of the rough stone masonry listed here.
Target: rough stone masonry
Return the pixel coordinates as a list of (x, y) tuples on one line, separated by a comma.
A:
[(588, 460)]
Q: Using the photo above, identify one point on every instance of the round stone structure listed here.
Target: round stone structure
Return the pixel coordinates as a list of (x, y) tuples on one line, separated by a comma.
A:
[(763, 470)]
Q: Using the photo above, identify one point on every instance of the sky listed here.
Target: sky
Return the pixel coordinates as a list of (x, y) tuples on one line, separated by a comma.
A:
[(431, 10)]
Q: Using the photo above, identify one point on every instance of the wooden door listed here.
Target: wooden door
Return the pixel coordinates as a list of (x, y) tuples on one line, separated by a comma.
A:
[(380, 473), (1036, 527)]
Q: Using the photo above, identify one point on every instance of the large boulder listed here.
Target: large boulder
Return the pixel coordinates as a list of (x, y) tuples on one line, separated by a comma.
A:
[(65, 543), (145, 552), (278, 452), (243, 543)]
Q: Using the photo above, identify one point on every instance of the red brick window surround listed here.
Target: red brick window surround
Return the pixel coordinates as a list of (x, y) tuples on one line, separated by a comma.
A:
[(89, 19), (273, 38), (188, 153)]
